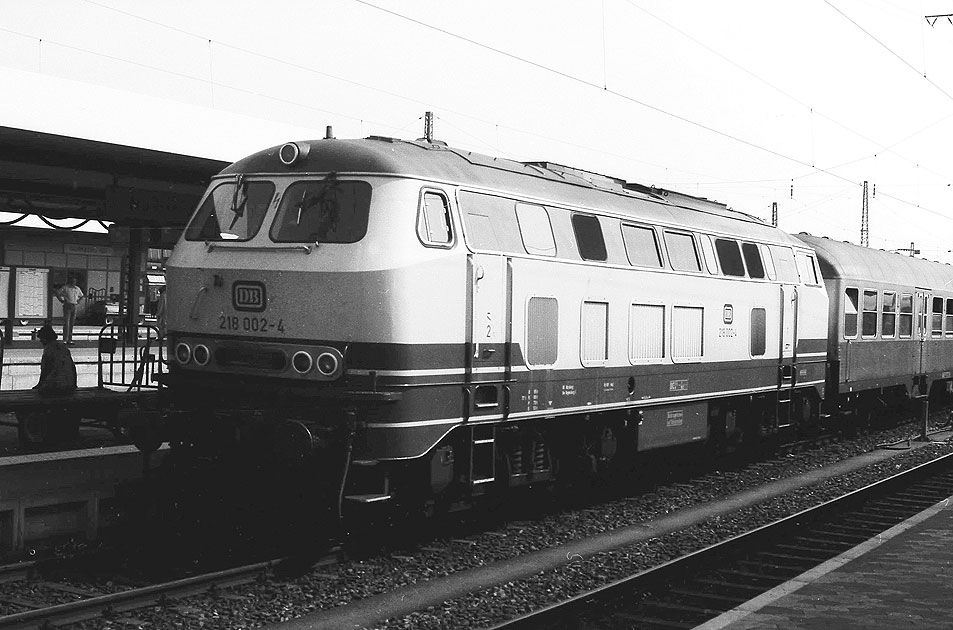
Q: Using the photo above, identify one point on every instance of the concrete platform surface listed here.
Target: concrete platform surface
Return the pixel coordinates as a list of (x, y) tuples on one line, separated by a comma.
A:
[(901, 579)]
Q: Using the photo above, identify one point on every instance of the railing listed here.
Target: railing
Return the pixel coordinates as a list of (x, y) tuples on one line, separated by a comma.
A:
[(131, 357)]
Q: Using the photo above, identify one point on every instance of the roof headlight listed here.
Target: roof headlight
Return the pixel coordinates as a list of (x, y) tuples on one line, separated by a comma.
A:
[(292, 152)]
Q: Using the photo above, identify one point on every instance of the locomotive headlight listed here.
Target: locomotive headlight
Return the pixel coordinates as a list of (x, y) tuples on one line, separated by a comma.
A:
[(183, 353), (327, 363), (291, 152), (302, 362), (201, 355)]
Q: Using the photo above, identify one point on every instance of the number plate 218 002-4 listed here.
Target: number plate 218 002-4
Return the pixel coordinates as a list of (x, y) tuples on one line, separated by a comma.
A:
[(250, 323)]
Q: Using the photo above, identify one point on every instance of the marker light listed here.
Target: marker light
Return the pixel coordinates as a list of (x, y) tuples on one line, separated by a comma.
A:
[(201, 355), (327, 363), (183, 353), (301, 362)]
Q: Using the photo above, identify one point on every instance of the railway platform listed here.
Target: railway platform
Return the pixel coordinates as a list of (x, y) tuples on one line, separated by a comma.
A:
[(900, 579)]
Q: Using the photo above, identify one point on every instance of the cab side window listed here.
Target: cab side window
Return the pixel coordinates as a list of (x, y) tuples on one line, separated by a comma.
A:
[(433, 220)]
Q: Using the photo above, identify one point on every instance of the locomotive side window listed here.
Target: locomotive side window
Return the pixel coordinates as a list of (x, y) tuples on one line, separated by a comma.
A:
[(433, 220), (323, 211), (850, 312), (805, 264), (752, 257), (542, 331), (233, 212), (869, 325), (708, 250), (949, 318), (888, 319), (535, 229), (784, 260), (589, 239), (758, 337), (594, 338), (906, 315), (768, 263), (937, 320), (688, 341), (641, 246), (681, 251), (490, 223), (646, 332), (730, 257)]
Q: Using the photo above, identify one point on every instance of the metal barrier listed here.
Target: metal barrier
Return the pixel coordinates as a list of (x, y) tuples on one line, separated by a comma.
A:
[(131, 358)]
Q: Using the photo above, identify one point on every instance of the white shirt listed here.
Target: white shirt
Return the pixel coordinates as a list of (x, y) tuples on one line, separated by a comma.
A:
[(71, 294)]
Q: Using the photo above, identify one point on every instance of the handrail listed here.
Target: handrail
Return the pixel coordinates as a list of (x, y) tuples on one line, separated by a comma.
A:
[(130, 358)]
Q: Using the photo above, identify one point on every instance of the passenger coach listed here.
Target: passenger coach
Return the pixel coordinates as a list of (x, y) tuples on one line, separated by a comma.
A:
[(447, 322)]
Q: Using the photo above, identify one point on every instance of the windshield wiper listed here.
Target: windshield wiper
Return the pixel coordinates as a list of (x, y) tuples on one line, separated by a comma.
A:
[(238, 207)]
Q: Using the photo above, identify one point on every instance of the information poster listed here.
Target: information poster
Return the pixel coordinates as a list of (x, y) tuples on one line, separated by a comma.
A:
[(32, 293)]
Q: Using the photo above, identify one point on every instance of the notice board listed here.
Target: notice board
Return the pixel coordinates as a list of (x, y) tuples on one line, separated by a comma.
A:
[(32, 293)]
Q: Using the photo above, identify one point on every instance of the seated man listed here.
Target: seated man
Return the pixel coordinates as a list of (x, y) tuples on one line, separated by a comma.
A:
[(57, 370)]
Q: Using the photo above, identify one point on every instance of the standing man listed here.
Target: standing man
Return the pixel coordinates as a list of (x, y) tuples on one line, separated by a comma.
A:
[(69, 296)]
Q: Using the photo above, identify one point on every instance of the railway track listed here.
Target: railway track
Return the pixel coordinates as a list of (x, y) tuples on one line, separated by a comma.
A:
[(691, 590), (112, 605)]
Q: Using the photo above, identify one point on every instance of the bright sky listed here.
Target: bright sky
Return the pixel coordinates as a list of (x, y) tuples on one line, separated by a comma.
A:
[(744, 102)]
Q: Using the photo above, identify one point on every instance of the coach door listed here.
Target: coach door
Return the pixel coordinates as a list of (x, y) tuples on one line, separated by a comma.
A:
[(489, 332), (923, 328), (787, 353)]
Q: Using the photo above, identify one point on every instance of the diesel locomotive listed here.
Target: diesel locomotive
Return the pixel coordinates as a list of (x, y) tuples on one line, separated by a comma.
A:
[(417, 324)]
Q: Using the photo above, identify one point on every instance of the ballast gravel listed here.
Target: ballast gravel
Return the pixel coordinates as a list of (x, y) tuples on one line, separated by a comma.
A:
[(274, 601)]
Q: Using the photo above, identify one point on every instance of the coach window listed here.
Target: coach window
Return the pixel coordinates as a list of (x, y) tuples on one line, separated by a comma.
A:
[(753, 260), (641, 246), (937, 320), (906, 315), (681, 251), (869, 324), (758, 337), (589, 239), (535, 229), (489, 222), (711, 261), (729, 256), (850, 313), (949, 318), (888, 317), (433, 220)]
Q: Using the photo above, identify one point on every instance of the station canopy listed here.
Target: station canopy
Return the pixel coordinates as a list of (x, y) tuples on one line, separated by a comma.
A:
[(62, 177)]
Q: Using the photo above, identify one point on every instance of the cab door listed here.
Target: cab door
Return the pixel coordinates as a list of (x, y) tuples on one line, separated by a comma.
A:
[(489, 331), (787, 354)]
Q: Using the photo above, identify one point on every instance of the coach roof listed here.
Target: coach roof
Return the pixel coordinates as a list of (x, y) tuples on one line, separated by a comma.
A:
[(865, 266), (540, 180)]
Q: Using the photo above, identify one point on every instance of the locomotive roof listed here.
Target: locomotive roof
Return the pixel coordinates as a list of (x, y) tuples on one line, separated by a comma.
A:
[(849, 262), (541, 180)]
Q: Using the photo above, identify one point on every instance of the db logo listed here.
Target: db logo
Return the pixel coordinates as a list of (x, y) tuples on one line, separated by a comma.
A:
[(248, 296), (729, 314)]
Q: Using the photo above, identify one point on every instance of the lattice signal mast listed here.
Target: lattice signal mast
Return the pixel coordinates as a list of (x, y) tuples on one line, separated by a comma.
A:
[(864, 218)]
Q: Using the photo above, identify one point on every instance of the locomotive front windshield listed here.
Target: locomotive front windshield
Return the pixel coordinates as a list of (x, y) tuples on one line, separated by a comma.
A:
[(323, 211), (233, 212)]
